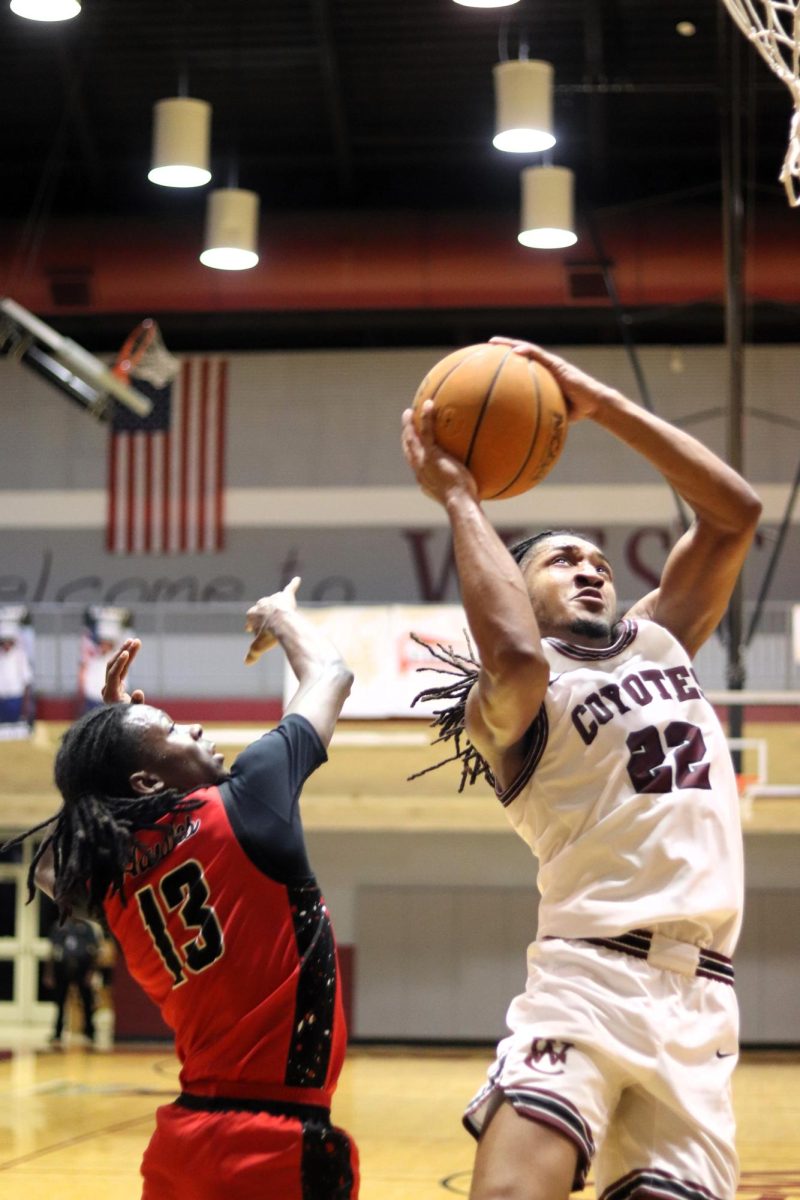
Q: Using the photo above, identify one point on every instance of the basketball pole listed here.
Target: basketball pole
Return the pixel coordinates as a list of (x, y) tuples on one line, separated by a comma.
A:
[(628, 341), (733, 249)]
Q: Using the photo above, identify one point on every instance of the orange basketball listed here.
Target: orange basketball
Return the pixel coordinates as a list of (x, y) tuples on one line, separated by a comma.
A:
[(500, 414)]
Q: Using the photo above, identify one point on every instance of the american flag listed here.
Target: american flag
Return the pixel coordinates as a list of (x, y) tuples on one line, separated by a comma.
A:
[(166, 471)]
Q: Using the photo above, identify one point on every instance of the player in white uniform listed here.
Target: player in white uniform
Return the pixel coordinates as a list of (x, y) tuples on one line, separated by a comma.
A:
[(612, 766)]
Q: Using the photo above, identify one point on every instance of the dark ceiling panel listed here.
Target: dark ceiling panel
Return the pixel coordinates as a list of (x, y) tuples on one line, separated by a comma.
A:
[(395, 96), (373, 104)]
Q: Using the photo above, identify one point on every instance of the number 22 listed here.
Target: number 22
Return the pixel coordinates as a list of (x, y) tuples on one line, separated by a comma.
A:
[(650, 772)]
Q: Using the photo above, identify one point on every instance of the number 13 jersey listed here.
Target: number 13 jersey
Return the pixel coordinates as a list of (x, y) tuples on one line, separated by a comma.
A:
[(628, 797), (225, 929)]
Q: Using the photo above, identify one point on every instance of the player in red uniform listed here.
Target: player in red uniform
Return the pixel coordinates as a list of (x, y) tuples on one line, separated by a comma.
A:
[(203, 878)]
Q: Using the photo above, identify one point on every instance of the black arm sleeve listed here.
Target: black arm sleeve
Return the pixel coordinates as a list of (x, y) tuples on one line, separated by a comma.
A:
[(262, 795)]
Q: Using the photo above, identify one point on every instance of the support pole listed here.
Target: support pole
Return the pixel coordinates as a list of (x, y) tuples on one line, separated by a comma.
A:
[(733, 235)]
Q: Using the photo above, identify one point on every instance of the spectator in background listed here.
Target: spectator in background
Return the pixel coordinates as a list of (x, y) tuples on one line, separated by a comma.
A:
[(74, 954), (17, 701), (105, 629)]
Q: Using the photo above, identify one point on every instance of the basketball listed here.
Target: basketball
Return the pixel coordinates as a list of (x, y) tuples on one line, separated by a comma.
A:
[(500, 414)]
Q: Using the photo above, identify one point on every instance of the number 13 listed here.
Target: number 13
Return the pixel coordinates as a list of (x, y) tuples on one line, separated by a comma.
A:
[(186, 890)]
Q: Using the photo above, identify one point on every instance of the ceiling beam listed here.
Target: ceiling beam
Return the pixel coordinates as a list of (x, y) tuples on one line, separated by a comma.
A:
[(331, 78), (79, 117), (596, 75)]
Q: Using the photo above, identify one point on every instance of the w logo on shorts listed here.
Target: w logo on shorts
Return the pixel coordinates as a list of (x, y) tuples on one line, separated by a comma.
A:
[(548, 1056)]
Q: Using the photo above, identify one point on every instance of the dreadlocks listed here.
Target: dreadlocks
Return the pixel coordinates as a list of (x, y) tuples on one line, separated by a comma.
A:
[(451, 721), (463, 669), (92, 836)]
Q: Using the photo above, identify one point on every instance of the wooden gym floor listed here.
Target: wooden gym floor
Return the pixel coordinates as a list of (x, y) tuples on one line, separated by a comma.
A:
[(74, 1124)]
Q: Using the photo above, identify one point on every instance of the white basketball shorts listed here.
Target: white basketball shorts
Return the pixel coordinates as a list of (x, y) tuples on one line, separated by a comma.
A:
[(631, 1061)]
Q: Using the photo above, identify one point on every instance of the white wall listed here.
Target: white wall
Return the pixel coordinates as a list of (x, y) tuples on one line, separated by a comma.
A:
[(440, 924), (299, 423)]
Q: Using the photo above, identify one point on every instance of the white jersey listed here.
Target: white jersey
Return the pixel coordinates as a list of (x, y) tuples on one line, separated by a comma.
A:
[(15, 672), (628, 797)]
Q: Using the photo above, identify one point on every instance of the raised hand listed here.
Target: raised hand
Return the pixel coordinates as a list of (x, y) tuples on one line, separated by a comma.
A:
[(262, 613), (116, 671), (584, 394), (437, 472)]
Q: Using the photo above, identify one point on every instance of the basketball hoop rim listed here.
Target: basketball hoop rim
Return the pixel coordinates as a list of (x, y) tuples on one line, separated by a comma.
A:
[(134, 348)]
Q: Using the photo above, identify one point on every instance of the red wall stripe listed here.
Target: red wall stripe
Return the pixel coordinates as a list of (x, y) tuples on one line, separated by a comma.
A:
[(186, 375), (202, 450), (219, 481)]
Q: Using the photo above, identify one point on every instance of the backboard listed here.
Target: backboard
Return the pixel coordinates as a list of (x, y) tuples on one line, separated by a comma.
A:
[(65, 364)]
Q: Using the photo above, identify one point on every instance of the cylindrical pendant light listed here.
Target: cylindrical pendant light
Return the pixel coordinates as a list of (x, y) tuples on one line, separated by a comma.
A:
[(523, 92), (231, 237), (486, 3), (547, 208), (181, 142), (46, 10)]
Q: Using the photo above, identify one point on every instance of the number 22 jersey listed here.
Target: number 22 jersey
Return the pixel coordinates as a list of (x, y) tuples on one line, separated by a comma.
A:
[(627, 796), (225, 929)]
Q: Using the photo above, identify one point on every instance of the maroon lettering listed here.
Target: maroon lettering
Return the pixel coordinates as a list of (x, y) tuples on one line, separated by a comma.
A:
[(589, 731), (86, 587), (678, 677), (224, 587), (430, 589), (598, 708), (636, 689), (170, 589), (657, 677), (44, 576), (552, 1049), (135, 587), (433, 585), (646, 767), (87, 583), (649, 769), (690, 750), (290, 567), (633, 552), (612, 692), (12, 587)]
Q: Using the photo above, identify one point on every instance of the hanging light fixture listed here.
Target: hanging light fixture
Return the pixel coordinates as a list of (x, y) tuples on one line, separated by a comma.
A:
[(547, 208), (486, 3), (231, 237), (46, 10), (523, 91), (181, 142)]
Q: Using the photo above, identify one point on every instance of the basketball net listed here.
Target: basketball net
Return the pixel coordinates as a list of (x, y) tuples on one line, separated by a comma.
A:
[(773, 26), (144, 356)]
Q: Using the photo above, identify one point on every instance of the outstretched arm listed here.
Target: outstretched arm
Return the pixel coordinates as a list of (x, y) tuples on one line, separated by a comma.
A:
[(323, 677), (513, 671), (703, 566)]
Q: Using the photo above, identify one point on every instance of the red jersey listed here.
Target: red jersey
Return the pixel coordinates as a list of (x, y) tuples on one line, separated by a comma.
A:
[(225, 929)]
